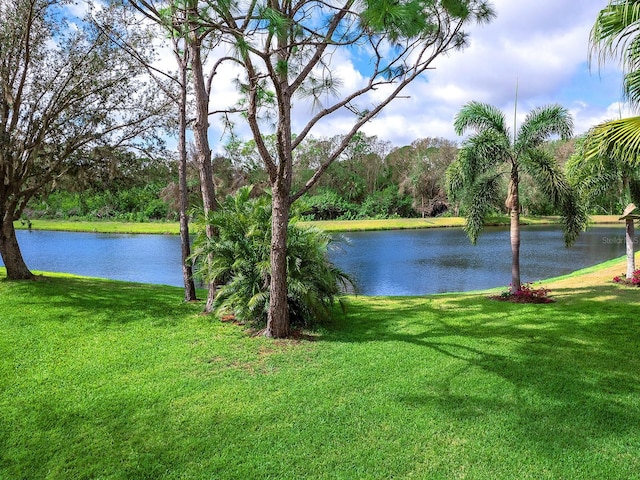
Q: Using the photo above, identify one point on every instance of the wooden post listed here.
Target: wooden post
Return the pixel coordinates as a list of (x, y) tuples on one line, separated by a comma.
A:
[(631, 264), (629, 218)]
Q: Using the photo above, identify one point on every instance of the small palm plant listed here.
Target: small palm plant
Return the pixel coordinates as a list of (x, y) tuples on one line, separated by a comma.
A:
[(476, 177), (238, 260)]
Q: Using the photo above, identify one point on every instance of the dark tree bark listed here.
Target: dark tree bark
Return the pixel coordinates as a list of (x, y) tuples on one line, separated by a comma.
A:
[(201, 139), (11, 254), (280, 176), (278, 316), (187, 270)]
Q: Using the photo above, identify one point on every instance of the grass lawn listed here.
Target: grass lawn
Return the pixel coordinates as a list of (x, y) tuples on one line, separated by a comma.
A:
[(172, 228), (114, 380)]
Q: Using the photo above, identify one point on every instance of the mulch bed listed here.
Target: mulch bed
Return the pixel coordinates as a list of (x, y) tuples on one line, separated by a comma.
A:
[(521, 299)]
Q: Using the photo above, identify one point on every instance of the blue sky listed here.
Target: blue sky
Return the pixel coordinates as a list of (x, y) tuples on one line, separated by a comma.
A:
[(541, 45)]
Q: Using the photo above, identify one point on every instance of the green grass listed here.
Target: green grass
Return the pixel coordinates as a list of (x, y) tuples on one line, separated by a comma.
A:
[(114, 380), (328, 225), (102, 226), (434, 222)]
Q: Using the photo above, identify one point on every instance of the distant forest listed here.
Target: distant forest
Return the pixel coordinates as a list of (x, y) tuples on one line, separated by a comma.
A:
[(372, 179)]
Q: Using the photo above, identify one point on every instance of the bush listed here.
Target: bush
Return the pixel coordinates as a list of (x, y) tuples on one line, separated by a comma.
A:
[(328, 205), (526, 294), (387, 203), (634, 280), (136, 204), (238, 260)]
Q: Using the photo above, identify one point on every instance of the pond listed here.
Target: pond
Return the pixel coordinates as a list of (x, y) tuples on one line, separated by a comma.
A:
[(401, 262), (416, 262)]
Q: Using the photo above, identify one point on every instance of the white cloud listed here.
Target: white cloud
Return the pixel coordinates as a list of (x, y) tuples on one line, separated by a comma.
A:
[(542, 46)]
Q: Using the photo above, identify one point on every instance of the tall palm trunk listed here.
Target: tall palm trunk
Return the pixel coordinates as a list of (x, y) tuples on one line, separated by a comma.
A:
[(513, 204), (11, 254)]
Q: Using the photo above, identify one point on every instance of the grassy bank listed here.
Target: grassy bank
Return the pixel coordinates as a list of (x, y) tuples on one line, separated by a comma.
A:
[(330, 225), (172, 228), (104, 379)]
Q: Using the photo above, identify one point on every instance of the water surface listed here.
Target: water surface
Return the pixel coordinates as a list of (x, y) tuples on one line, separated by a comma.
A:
[(400, 262), (416, 262)]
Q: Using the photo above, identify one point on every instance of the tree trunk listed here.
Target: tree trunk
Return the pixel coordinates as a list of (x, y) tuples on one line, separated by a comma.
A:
[(278, 317), (280, 177), (187, 271), (203, 151), (631, 261), (513, 203), (11, 255)]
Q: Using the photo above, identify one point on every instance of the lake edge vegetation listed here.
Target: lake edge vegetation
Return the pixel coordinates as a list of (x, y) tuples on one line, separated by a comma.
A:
[(171, 228)]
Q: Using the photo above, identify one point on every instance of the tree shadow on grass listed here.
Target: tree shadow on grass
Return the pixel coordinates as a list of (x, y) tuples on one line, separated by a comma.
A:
[(107, 302), (567, 374)]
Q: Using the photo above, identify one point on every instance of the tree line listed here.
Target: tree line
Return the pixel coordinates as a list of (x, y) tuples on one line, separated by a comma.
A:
[(372, 179)]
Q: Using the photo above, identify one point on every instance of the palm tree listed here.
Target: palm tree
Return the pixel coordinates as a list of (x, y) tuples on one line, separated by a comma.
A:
[(491, 153), (237, 259), (614, 36), (602, 180)]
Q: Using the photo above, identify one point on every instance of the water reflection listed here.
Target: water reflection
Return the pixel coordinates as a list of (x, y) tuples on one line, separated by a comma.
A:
[(409, 262)]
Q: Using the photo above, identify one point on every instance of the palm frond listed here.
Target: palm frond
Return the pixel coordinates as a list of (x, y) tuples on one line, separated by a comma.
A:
[(544, 169), (454, 178), (575, 217), (480, 154), (614, 36), (619, 139), (480, 202), (631, 87), (479, 116), (239, 258), (540, 124)]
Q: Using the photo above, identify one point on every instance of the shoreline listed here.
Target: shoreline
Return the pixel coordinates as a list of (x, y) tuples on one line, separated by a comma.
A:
[(333, 226)]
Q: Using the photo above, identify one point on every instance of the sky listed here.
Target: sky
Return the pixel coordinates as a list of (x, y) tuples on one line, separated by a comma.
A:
[(541, 47)]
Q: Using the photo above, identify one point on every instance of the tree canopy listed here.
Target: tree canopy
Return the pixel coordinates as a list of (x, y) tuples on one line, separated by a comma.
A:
[(66, 90)]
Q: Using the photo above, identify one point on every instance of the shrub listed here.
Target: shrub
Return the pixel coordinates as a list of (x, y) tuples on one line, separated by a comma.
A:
[(387, 203), (238, 260), (526, 294), (634, 280), (328, 205)]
